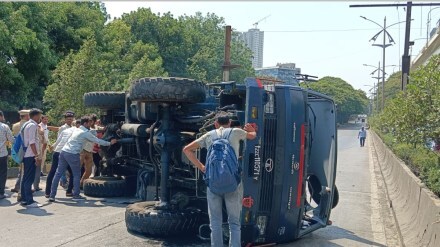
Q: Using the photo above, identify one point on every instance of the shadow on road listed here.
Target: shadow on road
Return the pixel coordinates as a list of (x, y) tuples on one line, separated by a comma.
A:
[(7, 201), (34, 211), (184, 240), (343, 233), (325, 236)]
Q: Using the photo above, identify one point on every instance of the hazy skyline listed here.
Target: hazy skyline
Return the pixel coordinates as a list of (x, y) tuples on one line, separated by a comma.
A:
[(323, 38)]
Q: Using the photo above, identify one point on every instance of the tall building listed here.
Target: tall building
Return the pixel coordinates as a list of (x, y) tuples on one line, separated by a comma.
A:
[(254, 39), (285, 72)]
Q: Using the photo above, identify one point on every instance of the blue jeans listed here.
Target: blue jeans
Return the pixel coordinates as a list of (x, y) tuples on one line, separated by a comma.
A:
[(233, 201), (65, 160), (27, 180), (51, 175)]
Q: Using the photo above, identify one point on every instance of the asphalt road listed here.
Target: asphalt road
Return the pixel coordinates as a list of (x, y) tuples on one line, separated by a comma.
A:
[(95, 222)]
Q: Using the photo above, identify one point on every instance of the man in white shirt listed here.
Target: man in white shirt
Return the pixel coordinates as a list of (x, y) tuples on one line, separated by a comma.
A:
[(69, 156), (45, 129), (32, 157), (56, 147)]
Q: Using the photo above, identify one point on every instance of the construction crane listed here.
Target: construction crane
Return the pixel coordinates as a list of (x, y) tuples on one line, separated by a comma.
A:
[(262, 19)]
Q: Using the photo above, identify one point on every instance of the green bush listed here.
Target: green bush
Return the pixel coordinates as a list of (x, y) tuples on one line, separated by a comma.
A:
[(11, 163), (433, 179), (423, 162)]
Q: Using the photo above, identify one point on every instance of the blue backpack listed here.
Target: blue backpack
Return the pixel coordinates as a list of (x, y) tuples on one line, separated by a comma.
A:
[(18, 149), (222, 169)]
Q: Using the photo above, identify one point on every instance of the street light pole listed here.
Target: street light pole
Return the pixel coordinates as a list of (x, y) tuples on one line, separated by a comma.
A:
[(378, 69), (383, 46)]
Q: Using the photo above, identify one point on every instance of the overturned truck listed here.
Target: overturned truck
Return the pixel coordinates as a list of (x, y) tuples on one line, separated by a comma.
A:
[(289, 170)]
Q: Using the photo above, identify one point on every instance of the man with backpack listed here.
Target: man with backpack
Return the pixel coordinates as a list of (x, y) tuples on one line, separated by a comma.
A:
[(32, 157), (16, 127), (223, 146), (5, 136)]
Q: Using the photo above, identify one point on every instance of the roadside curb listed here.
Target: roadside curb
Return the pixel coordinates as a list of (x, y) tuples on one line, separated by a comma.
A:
[(416, 208)]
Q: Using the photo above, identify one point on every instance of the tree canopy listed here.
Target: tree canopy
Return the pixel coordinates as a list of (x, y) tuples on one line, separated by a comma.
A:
[(348, 100), (414, 115), (34, 38), (54, 52)]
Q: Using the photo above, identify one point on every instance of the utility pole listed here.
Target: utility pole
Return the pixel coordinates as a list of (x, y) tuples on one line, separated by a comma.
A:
[(406, 59), (383, 60), (227, 66), (377, 87)]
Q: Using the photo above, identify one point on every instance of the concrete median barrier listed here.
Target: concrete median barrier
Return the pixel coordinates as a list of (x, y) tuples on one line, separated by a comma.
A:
[(416, 208)]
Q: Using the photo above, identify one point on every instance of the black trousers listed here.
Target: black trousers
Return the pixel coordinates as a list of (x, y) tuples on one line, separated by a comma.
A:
[(96, 159), (28, 180), (3, 173), (362, 140)]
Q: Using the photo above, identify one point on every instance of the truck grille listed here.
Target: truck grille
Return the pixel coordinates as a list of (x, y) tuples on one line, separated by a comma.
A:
[(267, 177)]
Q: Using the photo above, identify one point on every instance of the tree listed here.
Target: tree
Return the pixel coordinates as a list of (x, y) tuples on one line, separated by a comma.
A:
[(34, 37), (348, 100), (77, 74), (190, 46), (414, 115)]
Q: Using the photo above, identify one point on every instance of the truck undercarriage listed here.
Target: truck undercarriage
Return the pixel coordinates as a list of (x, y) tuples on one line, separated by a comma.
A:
[(288, 170)]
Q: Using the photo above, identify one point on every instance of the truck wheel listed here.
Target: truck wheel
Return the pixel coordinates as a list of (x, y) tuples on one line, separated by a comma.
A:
[(104, 187), (168, 90), (144, 218), (105, 100)]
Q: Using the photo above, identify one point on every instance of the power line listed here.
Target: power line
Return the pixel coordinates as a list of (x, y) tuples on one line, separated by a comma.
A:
[(326, 30)]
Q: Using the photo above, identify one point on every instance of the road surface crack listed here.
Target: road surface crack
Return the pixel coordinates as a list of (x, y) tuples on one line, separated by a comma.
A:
[(84, 235)]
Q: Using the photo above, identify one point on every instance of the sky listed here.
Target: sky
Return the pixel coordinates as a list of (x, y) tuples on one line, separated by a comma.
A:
[(323, 38)]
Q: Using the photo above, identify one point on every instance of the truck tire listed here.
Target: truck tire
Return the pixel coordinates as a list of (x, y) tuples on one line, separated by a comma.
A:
[(104, 187), (144, 218), (168, 90), (105, 100)]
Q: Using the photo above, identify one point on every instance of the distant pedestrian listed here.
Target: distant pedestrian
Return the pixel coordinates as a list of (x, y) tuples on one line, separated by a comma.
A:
[(32, 158), (362, 135), (5, 137), (69, 156)]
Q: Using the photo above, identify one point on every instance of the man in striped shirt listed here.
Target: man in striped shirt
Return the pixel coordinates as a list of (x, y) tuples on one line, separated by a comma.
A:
[(5, 136)]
